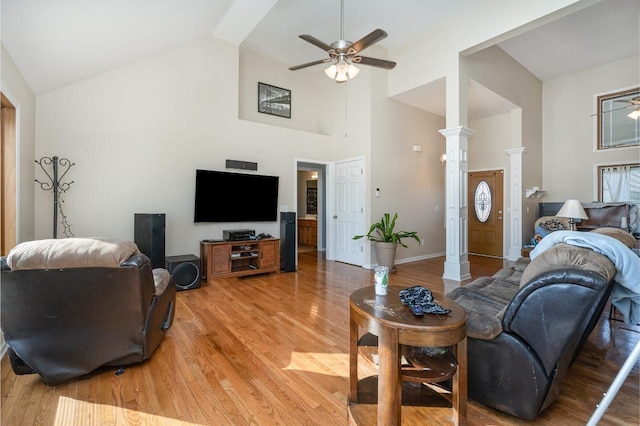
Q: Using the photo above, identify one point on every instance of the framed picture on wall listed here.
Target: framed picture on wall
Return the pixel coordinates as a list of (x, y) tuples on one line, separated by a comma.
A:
[(274, 100)]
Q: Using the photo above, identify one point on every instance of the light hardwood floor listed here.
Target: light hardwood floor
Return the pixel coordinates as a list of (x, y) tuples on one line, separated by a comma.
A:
[(273, 350)]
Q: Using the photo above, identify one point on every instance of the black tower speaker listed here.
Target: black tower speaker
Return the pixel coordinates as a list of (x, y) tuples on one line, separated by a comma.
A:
[(148, 234), (288, 241), (185, 270)]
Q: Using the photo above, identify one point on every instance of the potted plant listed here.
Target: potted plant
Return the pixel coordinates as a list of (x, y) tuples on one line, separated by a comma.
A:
[(386, 240)]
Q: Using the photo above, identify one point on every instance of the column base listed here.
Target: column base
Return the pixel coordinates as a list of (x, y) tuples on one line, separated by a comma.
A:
[(457, 271), (515, 253)]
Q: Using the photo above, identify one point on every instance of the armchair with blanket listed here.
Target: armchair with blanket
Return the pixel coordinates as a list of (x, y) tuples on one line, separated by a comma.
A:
[(71, 306)]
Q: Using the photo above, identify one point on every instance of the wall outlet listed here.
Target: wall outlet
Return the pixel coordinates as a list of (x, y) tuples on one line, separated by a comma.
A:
[(421, 241), (436, 208)]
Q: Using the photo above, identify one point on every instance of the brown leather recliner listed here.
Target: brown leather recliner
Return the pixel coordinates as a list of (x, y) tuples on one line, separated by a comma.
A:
[(71, 306), (528, 323)]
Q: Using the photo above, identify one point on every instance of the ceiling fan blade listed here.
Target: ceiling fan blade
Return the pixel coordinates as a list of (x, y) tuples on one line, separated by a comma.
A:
[(366, 41), (311, 39), (310, 64), (374, 62), (615, 109)]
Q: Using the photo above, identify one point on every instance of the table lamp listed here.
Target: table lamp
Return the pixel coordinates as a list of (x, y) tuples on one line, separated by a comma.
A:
[(572, 209)]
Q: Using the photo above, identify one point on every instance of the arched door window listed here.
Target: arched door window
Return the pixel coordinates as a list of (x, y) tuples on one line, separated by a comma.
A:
[(482, 201)]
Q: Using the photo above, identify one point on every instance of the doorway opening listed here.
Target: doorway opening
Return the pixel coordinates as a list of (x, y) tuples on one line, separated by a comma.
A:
[(311, 202), (340, 190)]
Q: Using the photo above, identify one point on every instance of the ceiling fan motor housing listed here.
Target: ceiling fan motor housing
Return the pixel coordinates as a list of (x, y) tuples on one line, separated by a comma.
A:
[(341, 45)]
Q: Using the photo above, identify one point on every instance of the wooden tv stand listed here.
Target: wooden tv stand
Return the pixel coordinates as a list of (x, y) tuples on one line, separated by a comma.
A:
[(239, 258)]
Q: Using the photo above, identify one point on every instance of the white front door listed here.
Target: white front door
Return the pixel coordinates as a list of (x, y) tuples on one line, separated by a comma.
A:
[(348, 210)]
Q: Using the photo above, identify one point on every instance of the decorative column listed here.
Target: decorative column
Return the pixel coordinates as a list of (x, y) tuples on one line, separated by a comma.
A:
[(515, 204), (456, 266)]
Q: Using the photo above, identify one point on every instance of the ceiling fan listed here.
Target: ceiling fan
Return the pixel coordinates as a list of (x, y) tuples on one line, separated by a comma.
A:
[(344, 53)]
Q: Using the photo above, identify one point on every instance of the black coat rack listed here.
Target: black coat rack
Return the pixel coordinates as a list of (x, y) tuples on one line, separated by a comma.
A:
[(56, 185)]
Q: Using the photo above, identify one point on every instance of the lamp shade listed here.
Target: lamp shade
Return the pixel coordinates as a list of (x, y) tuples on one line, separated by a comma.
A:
[(635, 114), (572, 209)]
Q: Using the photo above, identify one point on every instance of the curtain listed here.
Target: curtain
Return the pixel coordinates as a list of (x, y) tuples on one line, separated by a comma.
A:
[(616, 182)]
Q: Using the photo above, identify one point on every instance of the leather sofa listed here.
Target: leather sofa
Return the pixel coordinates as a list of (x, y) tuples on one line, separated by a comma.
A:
[(71, 306), (527, 323)]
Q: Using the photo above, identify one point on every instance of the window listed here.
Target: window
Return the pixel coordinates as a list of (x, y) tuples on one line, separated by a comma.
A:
[(615, 128), (482, 201), (619, 183)]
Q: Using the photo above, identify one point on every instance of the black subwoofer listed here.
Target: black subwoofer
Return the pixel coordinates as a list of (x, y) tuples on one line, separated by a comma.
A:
[(185, 270)]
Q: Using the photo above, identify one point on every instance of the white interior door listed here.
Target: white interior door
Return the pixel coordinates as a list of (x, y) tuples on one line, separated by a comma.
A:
[(348, 210)]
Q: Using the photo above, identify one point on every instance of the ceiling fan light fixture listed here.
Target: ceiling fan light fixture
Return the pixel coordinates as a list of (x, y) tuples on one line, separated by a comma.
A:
[(341, 71), (635, 114), (331, 71), (352, 71)]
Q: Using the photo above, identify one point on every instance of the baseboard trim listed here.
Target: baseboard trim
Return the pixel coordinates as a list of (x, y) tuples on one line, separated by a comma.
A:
[(417, 258), (406, 260)]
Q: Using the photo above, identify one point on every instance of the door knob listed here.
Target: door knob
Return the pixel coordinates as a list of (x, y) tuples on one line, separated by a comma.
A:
[(335, 216)]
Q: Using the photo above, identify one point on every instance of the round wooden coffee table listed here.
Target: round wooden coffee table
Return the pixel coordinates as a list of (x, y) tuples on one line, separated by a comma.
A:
[(394, 324)]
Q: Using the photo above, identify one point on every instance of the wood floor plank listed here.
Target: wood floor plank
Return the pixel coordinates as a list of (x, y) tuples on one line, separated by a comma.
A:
[(273, 350), (15, 403)]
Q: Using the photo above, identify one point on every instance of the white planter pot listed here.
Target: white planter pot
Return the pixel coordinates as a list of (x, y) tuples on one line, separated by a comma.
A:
[(386, 253)]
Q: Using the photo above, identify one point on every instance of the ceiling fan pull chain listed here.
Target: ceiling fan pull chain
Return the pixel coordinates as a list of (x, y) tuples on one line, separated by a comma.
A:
[(346, 121)]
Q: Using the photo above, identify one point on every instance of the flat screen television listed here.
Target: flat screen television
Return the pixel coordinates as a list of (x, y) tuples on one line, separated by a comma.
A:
[(235, 197)]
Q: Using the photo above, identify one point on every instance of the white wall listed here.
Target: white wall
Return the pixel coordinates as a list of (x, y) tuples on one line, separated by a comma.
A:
[(137, 135), (432, 56), (411, 183), (491, 137), (500, 73), (568, 129)]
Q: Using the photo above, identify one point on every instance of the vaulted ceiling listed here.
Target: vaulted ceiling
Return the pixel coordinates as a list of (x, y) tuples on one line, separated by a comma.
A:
[(55, 43)]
